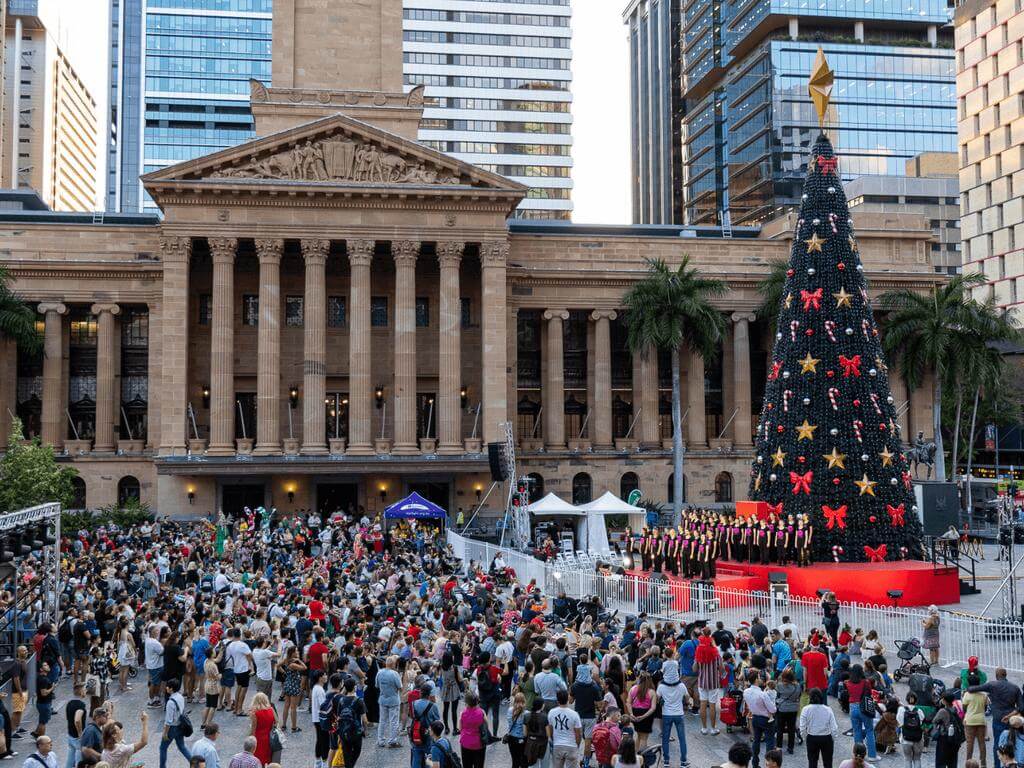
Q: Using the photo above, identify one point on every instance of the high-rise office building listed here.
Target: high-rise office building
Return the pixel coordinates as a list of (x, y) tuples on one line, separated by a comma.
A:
[(497, 87), (747, 125), (990, 60), (50, 130), (657, 110)]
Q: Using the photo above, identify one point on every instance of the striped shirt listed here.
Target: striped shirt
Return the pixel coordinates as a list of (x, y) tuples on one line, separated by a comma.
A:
[(709, 674)]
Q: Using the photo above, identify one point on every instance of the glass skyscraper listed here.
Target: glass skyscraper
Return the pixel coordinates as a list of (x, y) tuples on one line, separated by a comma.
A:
[(748, 124), (497, 87)]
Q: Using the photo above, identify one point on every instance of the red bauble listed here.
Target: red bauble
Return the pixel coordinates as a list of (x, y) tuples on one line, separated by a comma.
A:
[(769, 406), (790, 272), (873, 519), (881, 427), (801, 459), (874, 331), (809, 332), (830, 374), (835, 481), (780, 429), (840, 266), (856, 403)]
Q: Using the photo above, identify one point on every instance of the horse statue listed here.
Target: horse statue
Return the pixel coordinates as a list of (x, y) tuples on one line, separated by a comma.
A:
[(922, 453)]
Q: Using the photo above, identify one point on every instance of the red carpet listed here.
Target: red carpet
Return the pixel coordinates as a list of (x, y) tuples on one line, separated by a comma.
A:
[(866, 583)]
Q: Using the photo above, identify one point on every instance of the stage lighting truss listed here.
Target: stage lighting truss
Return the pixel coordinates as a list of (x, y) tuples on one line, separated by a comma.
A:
[(35, 530)]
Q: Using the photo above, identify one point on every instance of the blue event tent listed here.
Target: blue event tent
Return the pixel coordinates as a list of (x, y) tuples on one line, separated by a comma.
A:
[(415, 507)]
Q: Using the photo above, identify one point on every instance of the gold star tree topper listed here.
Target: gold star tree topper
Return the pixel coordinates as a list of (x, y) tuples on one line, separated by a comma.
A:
[(820, 85)]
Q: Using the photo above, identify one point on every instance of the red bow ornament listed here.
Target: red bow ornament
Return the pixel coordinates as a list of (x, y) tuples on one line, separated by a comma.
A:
[(775, 509), (827, 164), (801, 482), (811, 299), (851, 365), (876, 555), (896, 514), (776, 367), (836, 517)]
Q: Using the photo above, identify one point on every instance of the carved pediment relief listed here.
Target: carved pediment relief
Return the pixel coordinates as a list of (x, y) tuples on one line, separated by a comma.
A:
[(338, 158)]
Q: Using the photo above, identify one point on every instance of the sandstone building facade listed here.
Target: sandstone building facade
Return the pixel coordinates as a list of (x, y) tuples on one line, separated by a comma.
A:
[(334, 314)]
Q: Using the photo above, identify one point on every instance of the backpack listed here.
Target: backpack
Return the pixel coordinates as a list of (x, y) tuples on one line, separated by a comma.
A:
[(868, 708), (451, 760), (419, 733), (348, 725), (327, 716), (955, 730), (601, 741), (64, 631), (486, 687), (913, 728)]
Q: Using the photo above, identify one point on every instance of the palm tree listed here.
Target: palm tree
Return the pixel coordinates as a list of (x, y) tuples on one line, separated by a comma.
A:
[(930, 332), (666, 309), (772, 289), (17, 320)]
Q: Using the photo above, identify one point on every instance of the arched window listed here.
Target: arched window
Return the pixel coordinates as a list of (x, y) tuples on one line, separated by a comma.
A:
[(536, 487), (723, 487), (78, 500), (128, 488), (582, 489), (629, 483), (670, 493)]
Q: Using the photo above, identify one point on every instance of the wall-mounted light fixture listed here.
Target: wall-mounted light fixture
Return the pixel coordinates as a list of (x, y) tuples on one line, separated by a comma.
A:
[(206, 395), (477, 489), (379, 395), (383, 491), (464, 396), (293, 397), (290, 488), (191, 495)]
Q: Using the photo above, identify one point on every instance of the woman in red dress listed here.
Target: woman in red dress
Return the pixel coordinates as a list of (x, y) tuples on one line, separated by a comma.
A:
[(262, 720)]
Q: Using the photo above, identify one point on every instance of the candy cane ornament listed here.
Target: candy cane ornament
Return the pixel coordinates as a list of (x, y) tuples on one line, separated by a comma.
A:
[(857, 424), (865, 328), (833, 396), (830, 329), (785, 400), (832, 221), (793, 326), (874, 402)]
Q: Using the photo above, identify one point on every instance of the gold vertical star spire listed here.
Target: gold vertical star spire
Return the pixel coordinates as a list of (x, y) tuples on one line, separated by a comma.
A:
[(820, 85)]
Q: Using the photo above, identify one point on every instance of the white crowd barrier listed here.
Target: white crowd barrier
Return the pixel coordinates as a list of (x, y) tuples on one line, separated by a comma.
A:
[(995, 643)]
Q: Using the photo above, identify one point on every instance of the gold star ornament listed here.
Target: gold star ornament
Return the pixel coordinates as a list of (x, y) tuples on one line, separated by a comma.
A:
[(814, 243), (843, 298), (808, 364), (835, 459), (819, 86), (789, 300), (865, 485), (805, 431), (887, 456), (778, 457), (757, 482)]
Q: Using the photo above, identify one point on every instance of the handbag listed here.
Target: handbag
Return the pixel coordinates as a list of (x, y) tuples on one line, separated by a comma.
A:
[(276, 742), (486, 737), (185, 725)]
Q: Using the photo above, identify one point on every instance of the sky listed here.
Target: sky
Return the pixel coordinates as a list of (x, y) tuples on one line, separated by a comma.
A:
[(601, 192)]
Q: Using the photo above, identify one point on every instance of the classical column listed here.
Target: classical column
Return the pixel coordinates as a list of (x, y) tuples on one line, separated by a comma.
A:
[(106, 406), (697, 432), (650, 427), (493, 260), (405, 253), (602, 406), (268, 376), (898, 387), (449, 403), (54, 394), (222, 348), (314, 364), (8, 387), (742, 436), (174, 317), (155, 372), (554, 418), (360, 254)]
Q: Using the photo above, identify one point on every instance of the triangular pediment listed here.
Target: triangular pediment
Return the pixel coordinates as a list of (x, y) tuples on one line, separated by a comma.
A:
[(335, 151)]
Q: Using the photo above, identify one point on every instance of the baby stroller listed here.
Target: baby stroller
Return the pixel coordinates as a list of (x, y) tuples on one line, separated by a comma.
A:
[(651, 757), (913, 662), (731, 713)]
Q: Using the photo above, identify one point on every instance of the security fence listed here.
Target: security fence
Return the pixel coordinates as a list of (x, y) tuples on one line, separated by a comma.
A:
[(995, 643)]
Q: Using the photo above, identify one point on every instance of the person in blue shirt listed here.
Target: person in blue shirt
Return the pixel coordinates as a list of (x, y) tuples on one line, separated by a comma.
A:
[(425, 710), (782, 653), (687, 651)]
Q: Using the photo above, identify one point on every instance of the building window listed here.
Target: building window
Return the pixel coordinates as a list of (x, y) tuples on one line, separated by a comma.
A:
[(379, 311), (723, 487), (581, 489), (250, 309), (78, 500), (336, 312), (205, 308), (128, 489), (466, 311), (536, 486), (670, 495), (629, 483), (422, 312), (293, 306), (83, 331)]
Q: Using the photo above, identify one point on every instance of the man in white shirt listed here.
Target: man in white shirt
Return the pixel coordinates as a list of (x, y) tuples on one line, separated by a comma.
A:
[(205, 746), (565, 732), (787, 624), (675, 699), (239, 658), (154, 657), (43, 757), (263, 657), (220, 581), (760, 705)]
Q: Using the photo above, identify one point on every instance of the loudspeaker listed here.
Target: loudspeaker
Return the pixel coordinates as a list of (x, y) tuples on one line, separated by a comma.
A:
[(776, 577), (939, 506), (496, 457)]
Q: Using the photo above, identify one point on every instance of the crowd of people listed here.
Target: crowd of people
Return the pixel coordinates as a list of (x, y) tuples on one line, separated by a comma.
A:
[(373, 635)]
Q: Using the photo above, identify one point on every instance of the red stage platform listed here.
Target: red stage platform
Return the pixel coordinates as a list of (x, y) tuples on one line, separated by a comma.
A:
[(922, 583)]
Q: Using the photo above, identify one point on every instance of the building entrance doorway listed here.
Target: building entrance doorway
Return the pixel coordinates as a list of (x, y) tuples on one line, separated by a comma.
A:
[(439, 493), (334, 497), (235, 498)]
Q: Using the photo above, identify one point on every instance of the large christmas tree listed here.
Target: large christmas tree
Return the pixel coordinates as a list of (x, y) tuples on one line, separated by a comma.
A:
[(828, 445)]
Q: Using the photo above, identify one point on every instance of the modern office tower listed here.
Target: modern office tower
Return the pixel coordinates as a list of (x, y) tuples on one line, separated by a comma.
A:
[(656, 110), (498, 90), (990, 54), (50, 133), (929, 189), (746, 122), (497, 87)]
